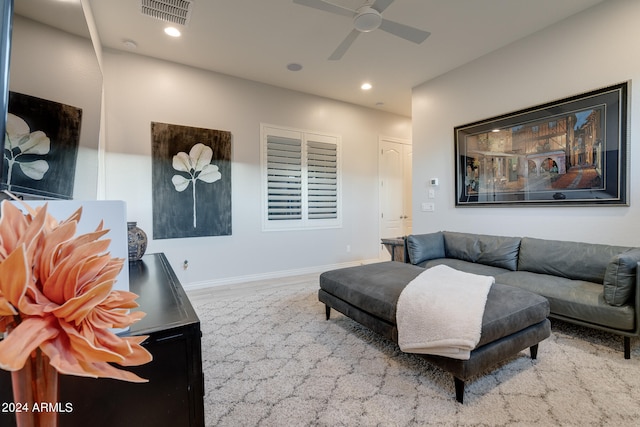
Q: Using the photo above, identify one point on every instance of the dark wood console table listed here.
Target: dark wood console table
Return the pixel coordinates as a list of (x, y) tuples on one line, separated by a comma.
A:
[(174, 395), (395, 246)]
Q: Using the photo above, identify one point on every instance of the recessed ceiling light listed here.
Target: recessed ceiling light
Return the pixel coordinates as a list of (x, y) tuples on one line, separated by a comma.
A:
[(172, 31), (366, 86), (130, 44), (294, 67)]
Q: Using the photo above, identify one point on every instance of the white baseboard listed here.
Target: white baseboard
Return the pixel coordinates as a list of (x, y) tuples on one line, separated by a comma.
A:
[(273, 275)]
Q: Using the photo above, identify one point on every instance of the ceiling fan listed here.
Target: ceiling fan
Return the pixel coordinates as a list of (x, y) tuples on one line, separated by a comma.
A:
[(366, 18)]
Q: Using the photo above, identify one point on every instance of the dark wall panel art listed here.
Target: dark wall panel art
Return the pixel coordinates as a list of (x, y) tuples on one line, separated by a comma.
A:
[(41, 147), (191, 174)]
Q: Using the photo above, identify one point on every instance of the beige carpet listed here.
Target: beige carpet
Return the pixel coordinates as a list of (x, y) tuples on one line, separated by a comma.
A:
[(271, 359)]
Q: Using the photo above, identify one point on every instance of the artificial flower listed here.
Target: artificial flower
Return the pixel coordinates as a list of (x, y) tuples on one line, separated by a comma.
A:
[(56, 294)]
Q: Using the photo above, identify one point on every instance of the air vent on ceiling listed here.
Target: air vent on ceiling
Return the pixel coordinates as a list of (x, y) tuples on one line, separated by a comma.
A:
[(175, 11)]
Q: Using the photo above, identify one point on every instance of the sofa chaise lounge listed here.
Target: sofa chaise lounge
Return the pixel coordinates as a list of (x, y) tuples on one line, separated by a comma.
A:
[(513, 319)]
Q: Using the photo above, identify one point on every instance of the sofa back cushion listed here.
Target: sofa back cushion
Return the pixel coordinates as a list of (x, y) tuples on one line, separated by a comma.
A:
[(573, 260), (423, 247), (498, 251), (620, 277)]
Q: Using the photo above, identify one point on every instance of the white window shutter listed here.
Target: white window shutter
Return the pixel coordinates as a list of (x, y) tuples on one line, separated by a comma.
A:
[(284, 178), (322, 176)]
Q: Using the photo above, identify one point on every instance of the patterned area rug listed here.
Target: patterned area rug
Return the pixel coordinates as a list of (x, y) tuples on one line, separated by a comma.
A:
[(271, 359)]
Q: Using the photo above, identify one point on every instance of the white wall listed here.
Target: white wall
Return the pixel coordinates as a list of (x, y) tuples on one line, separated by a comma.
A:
[(594, 49), (139, 90), (51, 64)]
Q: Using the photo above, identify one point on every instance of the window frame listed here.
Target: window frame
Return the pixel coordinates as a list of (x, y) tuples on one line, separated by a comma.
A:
[(304, 136)]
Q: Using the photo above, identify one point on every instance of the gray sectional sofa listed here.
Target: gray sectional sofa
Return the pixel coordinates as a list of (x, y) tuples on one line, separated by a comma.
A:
[(587, 284)]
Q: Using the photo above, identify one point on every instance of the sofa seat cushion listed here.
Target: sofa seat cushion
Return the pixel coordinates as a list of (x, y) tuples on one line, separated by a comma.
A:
[(575, 299), (375, 289), (466, 266), (509, 310)]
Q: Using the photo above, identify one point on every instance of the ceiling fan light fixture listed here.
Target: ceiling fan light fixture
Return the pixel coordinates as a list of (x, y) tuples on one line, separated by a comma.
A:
[(367, 19)]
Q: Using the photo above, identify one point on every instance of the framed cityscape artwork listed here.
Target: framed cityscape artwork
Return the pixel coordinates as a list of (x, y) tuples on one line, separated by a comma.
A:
[(567, 152)]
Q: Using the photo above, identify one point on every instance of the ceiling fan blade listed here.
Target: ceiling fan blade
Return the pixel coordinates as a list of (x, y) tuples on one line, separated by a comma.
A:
[(344, 46), (381, 5), (327, 7), (404, 31)]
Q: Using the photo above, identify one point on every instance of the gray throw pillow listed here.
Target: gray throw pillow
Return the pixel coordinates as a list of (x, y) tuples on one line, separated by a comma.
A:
[(620, 277), (423, 247), (497, 251), (464, 246)]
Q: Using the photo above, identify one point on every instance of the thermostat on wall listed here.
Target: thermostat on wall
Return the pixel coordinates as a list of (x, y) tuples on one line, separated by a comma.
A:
[(433, 181)]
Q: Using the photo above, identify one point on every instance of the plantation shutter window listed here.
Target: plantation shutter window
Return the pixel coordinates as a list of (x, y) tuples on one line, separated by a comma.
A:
[(322, 173), (301, 179), (284, 178)]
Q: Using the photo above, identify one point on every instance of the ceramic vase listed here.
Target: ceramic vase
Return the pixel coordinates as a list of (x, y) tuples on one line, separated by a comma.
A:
[(137, 241)]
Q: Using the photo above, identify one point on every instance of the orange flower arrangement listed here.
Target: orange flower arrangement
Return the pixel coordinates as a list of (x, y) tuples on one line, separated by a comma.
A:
[(56, 296)]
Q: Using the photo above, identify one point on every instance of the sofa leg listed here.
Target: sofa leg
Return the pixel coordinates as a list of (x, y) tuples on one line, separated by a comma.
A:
[(627, 347), (459, 385), (327, 311), (534, 351)]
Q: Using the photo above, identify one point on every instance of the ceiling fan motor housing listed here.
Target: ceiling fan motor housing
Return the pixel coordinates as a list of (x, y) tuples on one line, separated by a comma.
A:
[(367, 19)]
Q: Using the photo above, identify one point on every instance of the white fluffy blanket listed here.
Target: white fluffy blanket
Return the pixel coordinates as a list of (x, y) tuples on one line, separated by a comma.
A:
[(440, 312)]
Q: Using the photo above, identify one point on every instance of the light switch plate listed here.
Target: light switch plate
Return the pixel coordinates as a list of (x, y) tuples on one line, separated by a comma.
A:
[(428, 207)]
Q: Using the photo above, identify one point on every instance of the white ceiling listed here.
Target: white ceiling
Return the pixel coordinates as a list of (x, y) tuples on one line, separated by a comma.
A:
[(256, 39)]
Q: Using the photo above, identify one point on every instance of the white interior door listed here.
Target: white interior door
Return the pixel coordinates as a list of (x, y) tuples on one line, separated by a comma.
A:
[(395, 189)]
